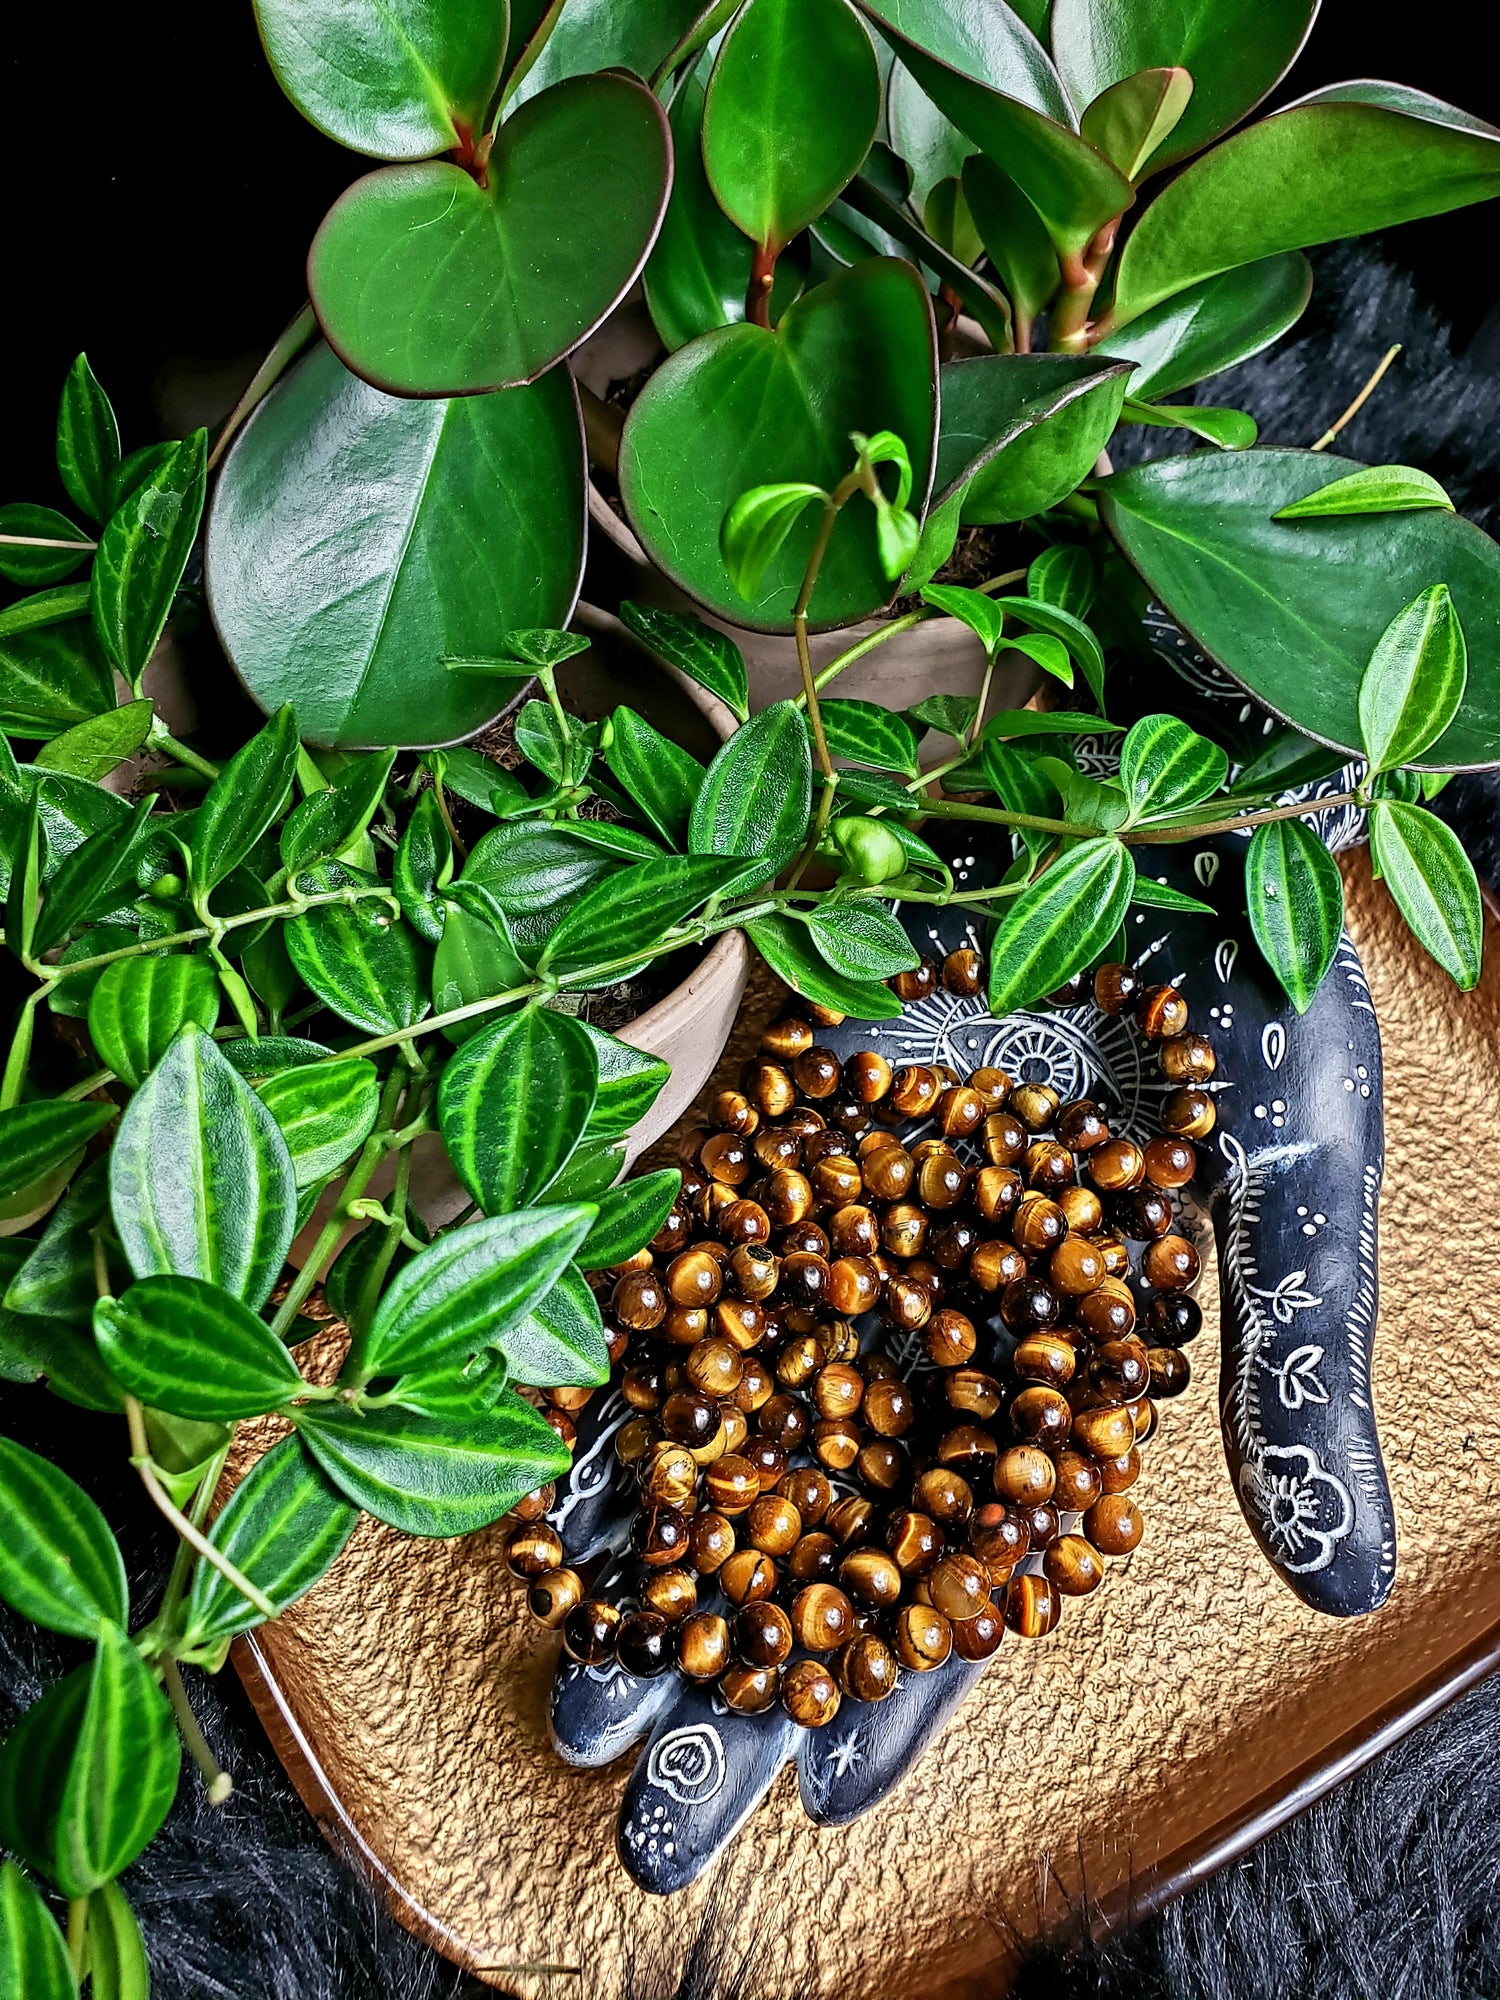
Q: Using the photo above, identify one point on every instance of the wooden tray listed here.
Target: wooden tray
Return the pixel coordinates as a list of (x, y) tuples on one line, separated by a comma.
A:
[(1178, 1715)]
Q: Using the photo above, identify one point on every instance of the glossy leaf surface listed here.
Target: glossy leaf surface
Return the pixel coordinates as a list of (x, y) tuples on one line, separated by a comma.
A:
[(94, 878), (1374, 489), (325, 1111), (1059, 923), (1414, 683), (1213, 325), (88, 442), (862, 940), (139, 1005), (1230, 430), (757, 795), (476, 959), (514, 1102), (117, 1962), (356, 539), (92, 749), (587, 35), (792, 956), (329, 820), (560, 1341), (141, 556), (361, 961), (1295, 896), (634, 911), (38, 1137), (866, 733), (423, 865), (1015, 239), (660, 778), (1423, 864), (630, 1081), (248, 794), (629, 1216), (59, 1564), (33, 1951), (1165, 766), (34, 567), (705, 654), (53, 672), (1021, 430), (190, 1348)]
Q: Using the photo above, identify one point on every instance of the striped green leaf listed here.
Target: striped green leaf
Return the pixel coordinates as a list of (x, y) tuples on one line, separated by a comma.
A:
[(862, 940), (201, 1183), (1295, 896), (33, 1952), (283, 1527), (59, 1564), (1434, 885), (188, 1347), (560, 1342), (435, 1476), (866, 733), (629, 1217), (38, 1139), (88, 441), (423, 866), (1059, 923), (115, 1949), (324, 1110), (658, 775), (788, 950), (94, 879), (1374, 489), (142, 553), (513, 1104), (757, 794), (243, 801), (1165, 766), (464, 1291), (630, 1081), (55, 1277), (140, 1005), (326, 822), (1412, 688), (633, 912), (702, 652), (358, 959)]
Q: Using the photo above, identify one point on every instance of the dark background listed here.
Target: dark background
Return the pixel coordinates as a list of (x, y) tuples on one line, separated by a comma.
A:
[(161, 194)]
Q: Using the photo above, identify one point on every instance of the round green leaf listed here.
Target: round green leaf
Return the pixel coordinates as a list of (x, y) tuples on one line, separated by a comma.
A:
[(396, 78), (930, 146), (1294, 609), (59, 1564), (629, 1216), (514, 1102), (757, 795), (561, 1341), (1059, 923), (435, 1476), (788, 950), (428, 284), (190, 1348), (476, 959), (140, 1005), (1165, 766), (33, 1951), (750, 408), (283, 1527), (1016, 240), (200, 1180), (1295, 896), (792, 108), (1214, 325), (1423, 864), (357, 539), (1021, 430), (324, 1110)]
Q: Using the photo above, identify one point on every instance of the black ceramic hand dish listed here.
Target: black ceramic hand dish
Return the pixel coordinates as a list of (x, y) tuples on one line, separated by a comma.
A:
[(1290, 1180)]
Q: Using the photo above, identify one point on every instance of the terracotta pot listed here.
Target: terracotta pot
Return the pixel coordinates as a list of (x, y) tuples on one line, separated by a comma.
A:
[(941, 656)]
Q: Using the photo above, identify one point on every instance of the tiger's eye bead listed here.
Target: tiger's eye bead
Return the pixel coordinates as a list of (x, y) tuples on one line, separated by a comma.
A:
[(763, 1634), (1105, 1431), (1049, 1167), (944, 1496), (804, 1279), (1144, 1412), (1033, 1606), (949, 1339), (999, 1536), (888, 1406), (1024, 1475), (1041, 1416), (882, 1465), (963, 972), (1046, 1358), (851, 1520), (915, 1090), (969, 1450), (867, 1076), (1117, 1166), (1043, 1525), (809, 1492), (784, 1420), (689, 1417), (923, 1637), (714, 1368), (747, 1577), (1074, 1565), (853, 1286), (768, 1456), (1188, 1058), (1171, 1371), (617, 1340), (727, 1158), (809, 1694), (822, 1617), (1076, 1267), (979, 1637), (1082, 1208), (1118, 1475), (1188, 1113), (676, 1232), (703, 1646), (671, 1592), (694, 1279), (756, 1386), (960, 1111), (817, 1072), (814, 1560), (773, 1525), (787, 1197), (1144, 1215), (915, 1542), (799, 1360), (1116, 987), (639, 1301), (995, 1265), (554, 1595), (1173, 1320), (1171, 1264), (532, 1506), (973, 1393), (560, 1422), (853, 1230), (1078, 1482), (871, 1576), (836, 1180), (1040, 1225), (866, 1668), (660, 1536), (1081, 1125), (1035, 1104), (1114, 1525), (669, 1476), (1029, 1305), (836, 1442), (941, 1180), (769, 1087), (993, 1085), (1004, 1138), (730, 1484), (710, 1541), (685, 1326), (889, 1172), (838, 1389), (777, 1147), (750, 1690), (732, 1111), (959, 1586), (907, 1304), (1120, 1369), (918, 983), (532, 1549), (1116, 1257), (742, 1322), (1170, 1162), (996, 1193), (1105, 1314), (744, 1222), (633, 1441), (1161, 1012), (590, 1630), (786, 1039)]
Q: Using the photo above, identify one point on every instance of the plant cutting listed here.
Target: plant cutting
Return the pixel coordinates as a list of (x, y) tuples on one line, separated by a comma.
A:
[(247, 984)]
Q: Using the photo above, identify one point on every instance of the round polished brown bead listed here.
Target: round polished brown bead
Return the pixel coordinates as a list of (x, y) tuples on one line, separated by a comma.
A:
[(919, 983), (941, 1180), (564, 1426), (1114, 1525), (1171, 1371), (973, 1393), (660, 1536), (532, 1506), (871, 1576), (685, 1326), (903, 1229), (1173, 1320), (1024, 1475), (715, 1368), (963, 972), (979, 1637), (996, 1193), (1188, 1058), (1170, 1162), (993, 1085), (710, 1541), (784, 1420), (1076, 1267), (726, 1158), (617, 1340), (703, 1646), (808, 1491), (799, 1360), (838, 1389), (763, 1634), (1081, 1125), (773, 1525), (554, 1594), (1004, 1138), (769, 1458), (888, 1172), (787, 1197), (1082, 1208), (1078, 1482), (1043, 1525), (922, 1638), (995, 1265), (949, 1339), (814, 1560), (689, 1417), (1170, 1264), (590, 1630), (669, 1476), (1040, 1224), (866, 1668), (769, 1087), (757, 1385), (836, 1179), (1104, 1315), (1145, 1414), (853, 1286), (748, 1577), (1033, 1606), (1029, 1305), (1161, 1012), (671, 1592), (836, 1442), (1116, 987), (944, 1496), (1117, 1166), (634, 1441), (852, 1520), (822, 1617), (817, 1072), (1035, 1104), (1120, 1369), (1046, 1358), (907, 1304), (741, 1322), (533, 1548), (1105, 1431), (639, 1301), (915, 1090), (959, 1586), (1041, 1416), (888, 1407), (883, 1465), (750, 1690), (777, 1147), (810, 1694), (1112, 1249), (960, 1111), (999, 1536), (1189, 1113), (676, 1232), (854, 1230), (867, 1076), (969, 1450), (694, 1278), (1144, 1215), (915, 1542), (1118, 1475), (744, 1222), (1073, 1565), (804, 1279), (787, 1038), (730, 1484), (1049, 1167), (732, 1111)]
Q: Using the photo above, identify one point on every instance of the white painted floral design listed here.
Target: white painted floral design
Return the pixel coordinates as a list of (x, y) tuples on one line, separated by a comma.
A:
[(1288, 1297), (1297, 1379), (688, 1764), (1305, 1511)]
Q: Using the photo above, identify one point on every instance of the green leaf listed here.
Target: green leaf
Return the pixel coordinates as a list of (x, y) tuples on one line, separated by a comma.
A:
[(749, 408), (592, 1171), (1423, 864), (866, 733), (986, 70), (1295, 897), (587, 35), (1016, 240), (629, 1216), (476, 959), (1021, 430), (331, 819), (1064, 577), (757, 525), (1016, 722), (533, 870), (54, 1278), (242, 802), (423, 865), (861, 940), (866, 202), (96, 876), (1293, 610), (139, 1006), (190, 1348), (53, 672), (88, 442), (1059, 923), (1162, 896), (702, 652), (1022, 786), (1165, 766), (659, 777), (59, 1564), (630, 1081), (952, 714), (757, 795), (92, 749), (983, 618), (426, 283), (1235, 50), (1414, 683), (114, 1948), (38, 1138), (1074, 634), (1230, 430), (283, 1527), (356, 539), (27, 868), (1355, 157), (560, 1342), (633, 912), (514, 1102), (475, 778), (271, 1053), (399, 81), (788, 950), (929, 145), (1131, 120), (33, 567), (1051, 655), (1374, 489), (142, 554), (359, 960), (200, 1180), (792, 107), (1214, 325), (434, 1476), (325, 1111), (33, 1952)]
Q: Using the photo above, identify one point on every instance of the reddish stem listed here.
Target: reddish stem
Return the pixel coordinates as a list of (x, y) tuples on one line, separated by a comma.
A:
[(762, 278)]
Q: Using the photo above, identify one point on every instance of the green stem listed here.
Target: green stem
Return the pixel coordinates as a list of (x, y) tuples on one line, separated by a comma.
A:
[(350, 894), (861, 480), (1161, 836), (218, 1780), (161, 738), (78, 1917), (857, 651), (182, 1562), (141, 1459)]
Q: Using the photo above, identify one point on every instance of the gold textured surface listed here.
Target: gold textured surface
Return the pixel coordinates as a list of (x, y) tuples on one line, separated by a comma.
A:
[(1164, 1706)]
